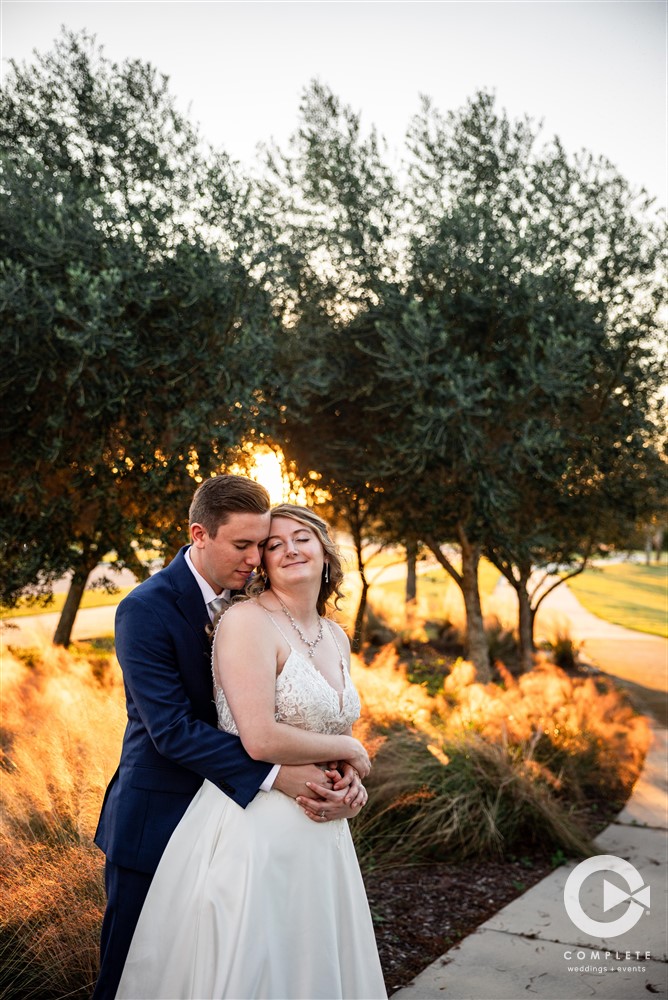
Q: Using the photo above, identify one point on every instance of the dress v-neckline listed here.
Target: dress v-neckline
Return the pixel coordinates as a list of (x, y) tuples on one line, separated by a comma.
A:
[(340, 695)]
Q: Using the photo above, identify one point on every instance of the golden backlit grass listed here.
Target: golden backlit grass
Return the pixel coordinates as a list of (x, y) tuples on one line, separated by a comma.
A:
[(473, 769), (60, 739), (490, 768)]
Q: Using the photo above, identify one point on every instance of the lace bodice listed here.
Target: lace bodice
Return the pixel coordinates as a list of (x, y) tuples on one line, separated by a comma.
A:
[(303, 698)]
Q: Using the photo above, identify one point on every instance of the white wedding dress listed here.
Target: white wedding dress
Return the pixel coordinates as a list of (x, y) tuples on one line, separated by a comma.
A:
[(260, 903)]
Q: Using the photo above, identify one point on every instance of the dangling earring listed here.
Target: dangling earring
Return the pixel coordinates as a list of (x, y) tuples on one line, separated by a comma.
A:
[(326, 572)]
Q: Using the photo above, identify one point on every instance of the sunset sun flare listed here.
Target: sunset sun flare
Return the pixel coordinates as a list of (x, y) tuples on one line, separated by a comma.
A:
[(267, 470)]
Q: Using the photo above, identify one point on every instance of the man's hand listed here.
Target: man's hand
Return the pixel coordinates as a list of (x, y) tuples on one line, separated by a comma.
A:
[(294, 780)]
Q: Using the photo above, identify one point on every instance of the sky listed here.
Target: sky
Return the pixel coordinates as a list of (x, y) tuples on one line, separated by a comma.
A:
[(592, 71)]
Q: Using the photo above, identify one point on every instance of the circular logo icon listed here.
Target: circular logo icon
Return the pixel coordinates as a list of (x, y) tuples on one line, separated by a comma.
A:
[(637, 896)]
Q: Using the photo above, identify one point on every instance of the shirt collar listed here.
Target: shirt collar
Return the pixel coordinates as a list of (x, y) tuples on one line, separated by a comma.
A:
[(208, 593)]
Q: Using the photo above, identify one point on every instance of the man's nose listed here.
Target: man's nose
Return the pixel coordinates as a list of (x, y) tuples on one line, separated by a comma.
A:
[(253, 557)]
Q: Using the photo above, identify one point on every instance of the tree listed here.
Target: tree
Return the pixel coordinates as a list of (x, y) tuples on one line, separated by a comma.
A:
[(329, 208), (540, 280), (134, 333), (495, 309)]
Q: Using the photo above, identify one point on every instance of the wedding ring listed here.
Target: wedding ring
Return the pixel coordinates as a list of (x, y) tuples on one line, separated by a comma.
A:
[(322, 814)]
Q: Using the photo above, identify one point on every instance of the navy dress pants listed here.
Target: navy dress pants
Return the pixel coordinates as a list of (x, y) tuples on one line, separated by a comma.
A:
[(126, 892)]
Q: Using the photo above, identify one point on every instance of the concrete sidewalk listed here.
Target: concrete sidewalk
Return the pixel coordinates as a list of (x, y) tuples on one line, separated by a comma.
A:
[(531, 948)]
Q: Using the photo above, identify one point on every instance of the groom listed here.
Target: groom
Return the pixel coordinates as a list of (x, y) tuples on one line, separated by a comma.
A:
[(171, 742)]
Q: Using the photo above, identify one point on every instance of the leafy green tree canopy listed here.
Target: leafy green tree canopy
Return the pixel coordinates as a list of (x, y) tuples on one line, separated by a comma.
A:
[(496, 347), (133, 331)]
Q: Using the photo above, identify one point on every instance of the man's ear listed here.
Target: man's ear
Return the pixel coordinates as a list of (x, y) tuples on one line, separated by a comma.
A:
[(199, 535)]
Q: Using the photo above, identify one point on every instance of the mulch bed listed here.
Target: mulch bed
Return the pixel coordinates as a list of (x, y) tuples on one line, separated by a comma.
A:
[(421, 911)]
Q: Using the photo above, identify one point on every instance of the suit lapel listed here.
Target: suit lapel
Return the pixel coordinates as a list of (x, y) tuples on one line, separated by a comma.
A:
[(189, 597)]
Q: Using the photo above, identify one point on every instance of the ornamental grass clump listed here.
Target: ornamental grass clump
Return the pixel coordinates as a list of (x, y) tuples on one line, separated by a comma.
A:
[(472, 799), (527, 766), (61, 733)]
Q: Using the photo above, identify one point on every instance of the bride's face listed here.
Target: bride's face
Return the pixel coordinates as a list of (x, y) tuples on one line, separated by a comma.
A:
[(292, 553)]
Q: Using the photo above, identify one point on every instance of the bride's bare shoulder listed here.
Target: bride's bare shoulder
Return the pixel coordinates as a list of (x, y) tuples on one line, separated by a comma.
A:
[(242, 623), (244, 611), (245, 617)]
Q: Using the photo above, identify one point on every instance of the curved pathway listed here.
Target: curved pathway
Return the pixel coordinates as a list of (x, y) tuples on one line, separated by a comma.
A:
[(637, 659)]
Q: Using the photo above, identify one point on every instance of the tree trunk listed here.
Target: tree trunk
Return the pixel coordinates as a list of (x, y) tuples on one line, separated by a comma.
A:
[(477, 649), (525, 624), (411, 570), (518, 576), (358, 628), (648, 547), (72, 601), (658, 544)]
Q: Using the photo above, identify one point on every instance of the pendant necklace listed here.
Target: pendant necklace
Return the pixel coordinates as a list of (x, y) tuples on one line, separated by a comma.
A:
[(311, 643)]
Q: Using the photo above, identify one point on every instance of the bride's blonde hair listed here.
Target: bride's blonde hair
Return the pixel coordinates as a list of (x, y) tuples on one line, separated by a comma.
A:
[(307, 517)]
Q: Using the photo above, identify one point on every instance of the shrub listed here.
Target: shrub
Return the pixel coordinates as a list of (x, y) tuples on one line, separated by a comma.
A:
[(480, 768), (469, 798), (563, 649), (469, 771)]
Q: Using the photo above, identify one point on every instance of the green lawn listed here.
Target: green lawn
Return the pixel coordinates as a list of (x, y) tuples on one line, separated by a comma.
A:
[(628, 594), (91, 599)]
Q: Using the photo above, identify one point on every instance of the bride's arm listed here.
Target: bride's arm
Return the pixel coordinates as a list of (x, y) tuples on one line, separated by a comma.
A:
[(245, 666)]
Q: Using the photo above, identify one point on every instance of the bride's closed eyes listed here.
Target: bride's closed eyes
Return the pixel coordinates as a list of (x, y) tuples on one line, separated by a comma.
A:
[(271, 546)]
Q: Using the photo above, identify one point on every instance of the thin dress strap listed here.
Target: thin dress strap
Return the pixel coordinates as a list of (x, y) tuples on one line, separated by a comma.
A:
[(275, 623), (344, 661)]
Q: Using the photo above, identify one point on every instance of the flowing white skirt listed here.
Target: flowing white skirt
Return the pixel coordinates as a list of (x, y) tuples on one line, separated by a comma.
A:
[(254, 904)]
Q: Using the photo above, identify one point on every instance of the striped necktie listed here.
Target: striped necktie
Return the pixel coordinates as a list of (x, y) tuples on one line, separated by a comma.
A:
[(218, 603)]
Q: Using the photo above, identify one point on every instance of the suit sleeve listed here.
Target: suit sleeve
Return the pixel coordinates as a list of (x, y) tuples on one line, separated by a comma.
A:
[(156, 690)]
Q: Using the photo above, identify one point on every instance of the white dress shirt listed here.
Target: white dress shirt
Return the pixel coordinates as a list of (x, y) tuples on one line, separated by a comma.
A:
[(208, 593)]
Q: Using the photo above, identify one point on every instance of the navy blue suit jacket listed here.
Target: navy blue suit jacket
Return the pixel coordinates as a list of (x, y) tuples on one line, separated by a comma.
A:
[(171, 742)]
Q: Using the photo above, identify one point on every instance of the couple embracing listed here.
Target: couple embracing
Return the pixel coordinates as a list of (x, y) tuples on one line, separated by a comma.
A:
[(230, 870)]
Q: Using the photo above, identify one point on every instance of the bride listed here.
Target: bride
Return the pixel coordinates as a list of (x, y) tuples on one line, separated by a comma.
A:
[(267, 902)]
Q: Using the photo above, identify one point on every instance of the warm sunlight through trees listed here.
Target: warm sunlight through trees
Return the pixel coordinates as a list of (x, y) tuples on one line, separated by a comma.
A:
[(267, 468)]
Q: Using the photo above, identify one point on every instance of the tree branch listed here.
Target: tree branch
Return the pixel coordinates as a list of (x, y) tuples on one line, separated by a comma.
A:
[(559, 581), (444, 561)]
